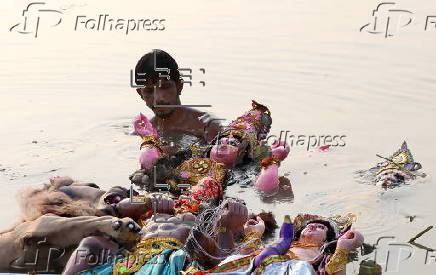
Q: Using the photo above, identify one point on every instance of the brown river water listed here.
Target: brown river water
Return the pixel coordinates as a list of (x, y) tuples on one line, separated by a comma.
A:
[(67, 105)]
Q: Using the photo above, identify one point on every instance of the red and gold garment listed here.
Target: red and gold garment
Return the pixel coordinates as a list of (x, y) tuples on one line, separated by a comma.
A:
[(207, 189)]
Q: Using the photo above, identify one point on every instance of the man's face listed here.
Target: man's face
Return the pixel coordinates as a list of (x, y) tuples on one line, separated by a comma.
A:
[(162, 92)]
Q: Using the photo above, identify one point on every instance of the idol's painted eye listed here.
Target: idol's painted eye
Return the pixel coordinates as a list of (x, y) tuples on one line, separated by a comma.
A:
[(313, 226), (223, 140), (233, 142)]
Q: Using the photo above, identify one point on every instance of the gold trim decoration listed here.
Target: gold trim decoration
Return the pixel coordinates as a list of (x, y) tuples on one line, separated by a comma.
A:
[(292, 255), (252, 240), (199, 168), (145, 251), (268, 260), (197, 152), (304, 245), (266, 162), (232, 265), (338, 261), (151, 141)]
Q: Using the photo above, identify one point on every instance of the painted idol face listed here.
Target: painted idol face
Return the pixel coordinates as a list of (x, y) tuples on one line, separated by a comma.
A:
[(229, 151), (314, 233)]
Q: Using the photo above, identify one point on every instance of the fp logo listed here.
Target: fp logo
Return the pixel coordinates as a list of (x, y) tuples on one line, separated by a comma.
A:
[(35, 14), (389, 254), (385, 17)]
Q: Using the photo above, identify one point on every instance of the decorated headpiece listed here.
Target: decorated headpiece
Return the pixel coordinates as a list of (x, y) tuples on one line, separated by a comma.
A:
[(401, 160), (340, 224), (253, 126)]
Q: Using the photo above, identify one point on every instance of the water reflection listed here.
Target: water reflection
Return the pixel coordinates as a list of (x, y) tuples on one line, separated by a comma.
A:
[(306, 60)]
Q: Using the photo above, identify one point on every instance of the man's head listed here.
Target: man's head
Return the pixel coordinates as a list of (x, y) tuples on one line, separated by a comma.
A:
[(159, 73)]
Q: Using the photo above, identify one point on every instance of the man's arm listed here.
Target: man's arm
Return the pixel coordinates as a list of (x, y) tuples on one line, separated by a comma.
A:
[(212, 131), (211, 126)]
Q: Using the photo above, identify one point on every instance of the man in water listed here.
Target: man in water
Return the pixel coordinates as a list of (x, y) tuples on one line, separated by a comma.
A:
[(163, 87)]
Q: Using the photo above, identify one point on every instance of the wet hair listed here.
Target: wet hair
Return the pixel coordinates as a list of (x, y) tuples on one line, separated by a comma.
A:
[(147, 65), (330, 236)]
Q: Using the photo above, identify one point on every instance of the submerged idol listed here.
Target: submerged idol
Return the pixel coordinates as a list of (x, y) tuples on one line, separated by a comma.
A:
[(311, 245), (238, 154), (397, 169)]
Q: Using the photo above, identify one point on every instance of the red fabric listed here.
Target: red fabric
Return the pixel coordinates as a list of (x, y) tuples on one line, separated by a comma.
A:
[(206, 189)]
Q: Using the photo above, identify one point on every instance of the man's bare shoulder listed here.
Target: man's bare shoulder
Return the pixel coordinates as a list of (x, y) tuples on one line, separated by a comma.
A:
[(200, 115), (193, 111), (209, 124), (153, 121)]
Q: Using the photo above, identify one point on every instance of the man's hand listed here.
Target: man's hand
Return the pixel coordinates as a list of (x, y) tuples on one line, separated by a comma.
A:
[(212, 126)]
